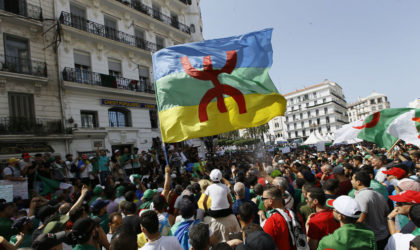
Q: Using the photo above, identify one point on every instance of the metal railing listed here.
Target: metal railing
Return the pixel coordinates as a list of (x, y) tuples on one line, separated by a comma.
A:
[(98, 79), (157, 14), (23, 65), (20, 7), (24, 125), (104, 31)]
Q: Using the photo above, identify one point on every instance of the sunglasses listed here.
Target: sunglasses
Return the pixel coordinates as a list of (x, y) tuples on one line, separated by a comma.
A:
[(402, 203), (265, 198)]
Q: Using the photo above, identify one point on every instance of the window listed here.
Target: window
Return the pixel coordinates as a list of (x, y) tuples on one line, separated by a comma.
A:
[(305, 97), (379, 100), (381, 107), (192, 28), (327, 119), (315, 102), (314, 94), (294, 117), (153, 118), (301, 124), (156, 11), (89, 119), (14, 6), (160, 42), (287, 118), (140, 38), (276, 125), (324, 100), (82, 66), (304, 133), (309, 114), (317, 112), (111, 29), (307, 104), (119, 117), (21, 105), (310, 122), (290, 134), (114, 67), (301, 116), (174, 20), (372, 101), (78, 16), (326, 110), (17, 58), (144, 79), (318, 121), (296, 134), (373, 108)]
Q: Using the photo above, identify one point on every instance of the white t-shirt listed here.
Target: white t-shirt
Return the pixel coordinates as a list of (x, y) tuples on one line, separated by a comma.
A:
[(85, 173), (380, 177), (70, 175), (399, 241), (13, 171), (165, 242), (218, 193)]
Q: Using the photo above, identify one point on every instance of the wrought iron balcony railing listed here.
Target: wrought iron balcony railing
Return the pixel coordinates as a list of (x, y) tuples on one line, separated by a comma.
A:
[(24, 125), (23, 65), (157, 14), (21, 7), (104, 31), (98, 79)]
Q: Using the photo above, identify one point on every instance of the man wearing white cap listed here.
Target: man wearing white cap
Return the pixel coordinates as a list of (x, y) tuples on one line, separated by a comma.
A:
[(219, 193), (350, 235)]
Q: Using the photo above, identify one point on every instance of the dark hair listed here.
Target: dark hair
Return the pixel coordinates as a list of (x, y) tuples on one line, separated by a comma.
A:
[(250, 228), (349, 220), (246, 211), (415, 214), (300, 182), (275, 193), (112, 215), (331, 185), (195, 188), (258, 189), (187, 206), (199, 236), (308, 186), (150, 221), (130, 196), (348, 166), (76, 213), (358, 158), (363, 177), (124, 239), (369, 170), (221, 246), (159, 202), (317, 194), (129, 207)]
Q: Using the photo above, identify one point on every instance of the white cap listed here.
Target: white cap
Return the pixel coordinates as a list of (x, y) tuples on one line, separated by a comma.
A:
[(215, 175), (280, 162), (116, 151), (346, 206)]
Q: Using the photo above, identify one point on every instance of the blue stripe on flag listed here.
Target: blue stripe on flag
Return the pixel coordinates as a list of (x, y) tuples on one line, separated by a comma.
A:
[(253, 50)]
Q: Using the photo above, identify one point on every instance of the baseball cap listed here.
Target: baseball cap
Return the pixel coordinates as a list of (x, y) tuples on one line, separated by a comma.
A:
[(346, 206), (26, 155), (116, 151), (407, 196), (338, 170), (397, 172), (46, 210), (49, 240), (13, 160), (409, 184), (99, 204), (84, 157), (120, 191), (98, 190), (82, 228), (148, 194), (258, 240), (216, 175)]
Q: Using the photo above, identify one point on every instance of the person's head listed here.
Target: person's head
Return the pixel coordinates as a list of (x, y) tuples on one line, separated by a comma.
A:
[(246, 213), (115, 221), (326, 169), (331, 186), (316, 198), (415, 243), (49, 241), (249, 229), (69, 157), (77, 213), (258, 189), (376, 161), (357, 160), (305, 189), (187, 206), (149, 222), (360, 180), (414, 214), (7, 210), (128, 207), (281, 183), (13, 161), (216, 175), (239, 189), (124, 239), (257, 239), (272, 198), (126, 151), (346, 210), (135, 150), (98, 207), (84, 230), (195, 188), (130, 196), (159, 203), (23, 224), (199, 236)]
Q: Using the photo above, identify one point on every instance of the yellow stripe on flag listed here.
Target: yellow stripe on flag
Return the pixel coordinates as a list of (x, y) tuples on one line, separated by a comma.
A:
[(182, 122)]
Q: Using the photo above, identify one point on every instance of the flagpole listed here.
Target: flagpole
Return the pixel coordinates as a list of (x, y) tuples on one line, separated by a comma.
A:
[(389, 150), (164, 152)]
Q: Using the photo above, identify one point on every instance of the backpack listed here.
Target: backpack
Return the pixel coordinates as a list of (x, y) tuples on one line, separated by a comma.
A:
[(182, 233), (296, 234)]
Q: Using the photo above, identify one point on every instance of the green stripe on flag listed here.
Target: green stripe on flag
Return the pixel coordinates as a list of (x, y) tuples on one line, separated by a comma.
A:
[(247, 80)]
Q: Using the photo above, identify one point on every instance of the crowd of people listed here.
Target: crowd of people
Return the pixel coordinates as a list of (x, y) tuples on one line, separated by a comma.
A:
[(348, 197)]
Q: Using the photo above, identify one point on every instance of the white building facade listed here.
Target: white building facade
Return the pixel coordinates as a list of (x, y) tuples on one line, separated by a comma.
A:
[(30, 108), (319, 107), (105, 66), (366, 106)]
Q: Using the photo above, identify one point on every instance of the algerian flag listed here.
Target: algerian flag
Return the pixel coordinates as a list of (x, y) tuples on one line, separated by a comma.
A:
[(347, 134), (384, 128)]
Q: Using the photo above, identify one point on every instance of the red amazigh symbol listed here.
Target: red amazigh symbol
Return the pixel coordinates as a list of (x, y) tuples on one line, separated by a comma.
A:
[(210, 74), (372, 123), (417, 119)]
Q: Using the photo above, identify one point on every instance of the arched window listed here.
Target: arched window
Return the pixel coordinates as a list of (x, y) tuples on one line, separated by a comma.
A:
[(119, 117), (192, 28)]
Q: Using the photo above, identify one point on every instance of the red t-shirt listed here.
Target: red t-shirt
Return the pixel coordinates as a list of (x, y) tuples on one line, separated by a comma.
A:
[(344, 187), (322, 224), (276, 226), (329, 176)]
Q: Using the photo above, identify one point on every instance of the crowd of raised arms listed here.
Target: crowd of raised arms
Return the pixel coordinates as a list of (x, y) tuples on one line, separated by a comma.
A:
[(348, 197)]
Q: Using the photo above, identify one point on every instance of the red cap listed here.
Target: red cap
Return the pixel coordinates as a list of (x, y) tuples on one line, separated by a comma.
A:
[(399, 173), (26, 156), (407, 196), (261, 181), (84, 157)]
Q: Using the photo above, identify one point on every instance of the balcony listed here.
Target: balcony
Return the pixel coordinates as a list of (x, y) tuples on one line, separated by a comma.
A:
[(23, 125), (104, 31), (157, 14), (23, 65), (98, 79), (20, 7)]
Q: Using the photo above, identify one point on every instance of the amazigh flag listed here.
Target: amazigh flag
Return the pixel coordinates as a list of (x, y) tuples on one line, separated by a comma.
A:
[(384, 128), (215, 86)]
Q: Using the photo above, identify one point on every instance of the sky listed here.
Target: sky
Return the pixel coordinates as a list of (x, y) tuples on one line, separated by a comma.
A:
[(363, 45)]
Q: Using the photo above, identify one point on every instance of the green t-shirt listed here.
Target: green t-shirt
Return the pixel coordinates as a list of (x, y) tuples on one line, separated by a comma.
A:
[(95, 167), (102, 162), (123, 159), (6, 228), (349, 236), (84, 247), (57, 225), (104, 221), (416, 231), (27, 240)]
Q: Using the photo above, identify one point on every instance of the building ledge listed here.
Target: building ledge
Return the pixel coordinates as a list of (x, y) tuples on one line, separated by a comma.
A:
[(25, 138), (24, 77)]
